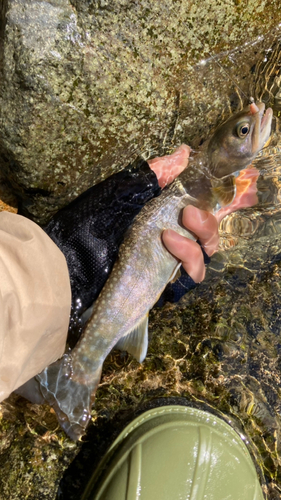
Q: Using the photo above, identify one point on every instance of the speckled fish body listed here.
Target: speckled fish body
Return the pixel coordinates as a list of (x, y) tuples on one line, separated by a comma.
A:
[(144, 267)]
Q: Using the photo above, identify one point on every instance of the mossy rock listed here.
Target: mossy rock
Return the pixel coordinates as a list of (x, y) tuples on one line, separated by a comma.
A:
[(85, 86)]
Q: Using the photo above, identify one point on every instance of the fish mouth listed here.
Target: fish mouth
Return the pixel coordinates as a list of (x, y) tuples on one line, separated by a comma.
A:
[(266, 116), (262, 127)]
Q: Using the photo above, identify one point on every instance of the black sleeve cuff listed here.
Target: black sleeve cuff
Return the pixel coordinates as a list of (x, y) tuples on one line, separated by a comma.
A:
[(175, 291)]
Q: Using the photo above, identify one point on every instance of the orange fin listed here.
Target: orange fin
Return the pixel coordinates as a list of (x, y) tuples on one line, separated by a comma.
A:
[(224, 190)]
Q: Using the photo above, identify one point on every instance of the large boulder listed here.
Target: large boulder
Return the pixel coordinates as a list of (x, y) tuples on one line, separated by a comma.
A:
[(87, 85)]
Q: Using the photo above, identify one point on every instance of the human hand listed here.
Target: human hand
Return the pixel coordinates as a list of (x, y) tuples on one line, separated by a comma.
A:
[(199, 222), (202, 223), (205, 226)]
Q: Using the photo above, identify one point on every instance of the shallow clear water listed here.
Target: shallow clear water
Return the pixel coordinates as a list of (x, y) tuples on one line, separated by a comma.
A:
[(261, 223), (244, 331)]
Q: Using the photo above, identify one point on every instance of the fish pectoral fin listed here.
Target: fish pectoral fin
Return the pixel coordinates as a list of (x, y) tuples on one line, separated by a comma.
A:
[(224, 190), (136, 342), (175, 276)]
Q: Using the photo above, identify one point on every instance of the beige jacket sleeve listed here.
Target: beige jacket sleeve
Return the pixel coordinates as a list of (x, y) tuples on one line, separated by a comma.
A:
[(35, 300)]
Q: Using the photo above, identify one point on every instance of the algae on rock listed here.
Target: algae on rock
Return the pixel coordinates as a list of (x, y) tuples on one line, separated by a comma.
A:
[(86, 85)]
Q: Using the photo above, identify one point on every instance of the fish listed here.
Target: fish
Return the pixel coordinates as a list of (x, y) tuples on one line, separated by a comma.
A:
[(119, 317)]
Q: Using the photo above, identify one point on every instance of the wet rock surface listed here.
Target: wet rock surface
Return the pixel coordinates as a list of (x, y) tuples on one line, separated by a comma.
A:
[(86, 85)]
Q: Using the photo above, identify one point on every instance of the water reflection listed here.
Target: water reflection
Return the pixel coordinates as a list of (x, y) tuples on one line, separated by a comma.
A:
[(265, 218), (243, 287)]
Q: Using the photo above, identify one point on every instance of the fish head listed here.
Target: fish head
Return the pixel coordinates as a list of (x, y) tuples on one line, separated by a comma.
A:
[(237, 141)]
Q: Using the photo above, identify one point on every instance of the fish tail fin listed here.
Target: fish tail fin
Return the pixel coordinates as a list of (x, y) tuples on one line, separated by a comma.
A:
[(71, 399)]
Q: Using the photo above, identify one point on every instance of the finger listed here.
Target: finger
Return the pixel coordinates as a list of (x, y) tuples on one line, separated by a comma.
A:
[(167, 168), (204, 225), (187, 251)]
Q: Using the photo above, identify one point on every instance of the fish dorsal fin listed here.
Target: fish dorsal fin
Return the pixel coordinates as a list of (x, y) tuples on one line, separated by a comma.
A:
[(224, 190), (136, 341)]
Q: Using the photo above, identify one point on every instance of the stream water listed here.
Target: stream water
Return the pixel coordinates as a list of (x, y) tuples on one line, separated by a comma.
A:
[(219, 349), (244, 332)]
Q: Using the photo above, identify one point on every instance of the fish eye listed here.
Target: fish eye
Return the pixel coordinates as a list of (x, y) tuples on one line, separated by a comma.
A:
[(243, 130)]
